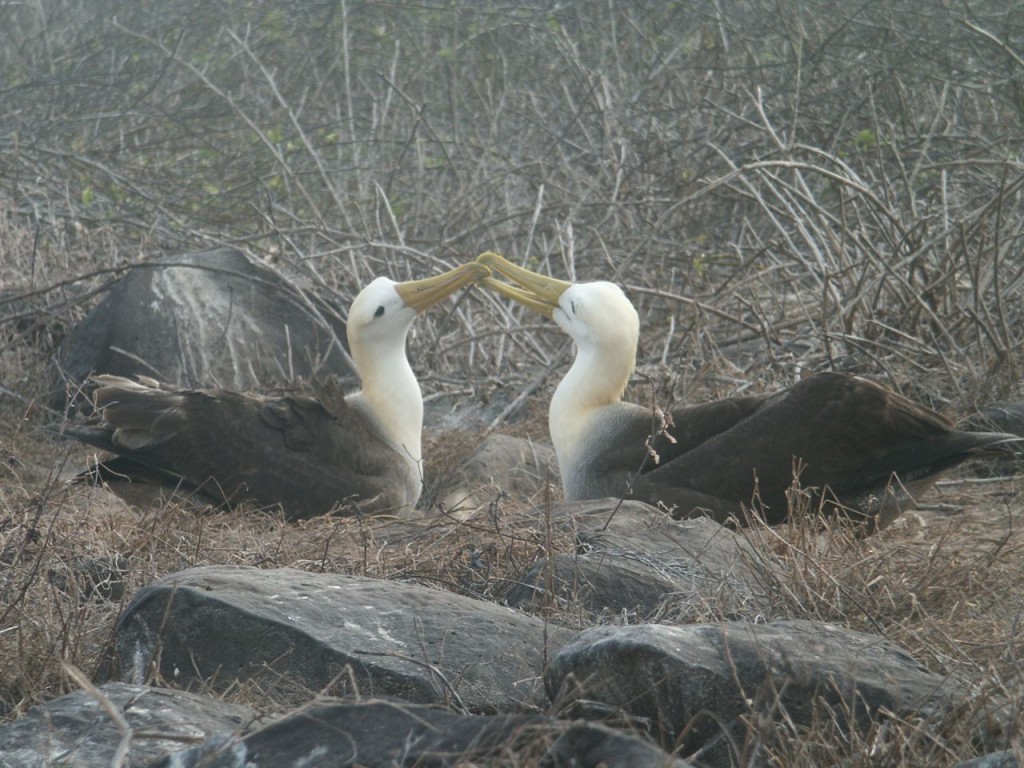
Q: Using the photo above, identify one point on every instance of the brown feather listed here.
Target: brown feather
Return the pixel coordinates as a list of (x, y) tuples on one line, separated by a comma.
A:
[(847, 435), (289, 451)]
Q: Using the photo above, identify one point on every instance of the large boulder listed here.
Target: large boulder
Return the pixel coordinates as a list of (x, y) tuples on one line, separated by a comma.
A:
[(295, 633), (632, 559), (389, 734), (693, 684), (205, 319)]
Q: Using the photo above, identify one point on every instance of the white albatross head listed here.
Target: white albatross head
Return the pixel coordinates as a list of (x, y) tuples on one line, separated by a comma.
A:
[(378, 324), (597, 316), (603, 323), (383, 312)]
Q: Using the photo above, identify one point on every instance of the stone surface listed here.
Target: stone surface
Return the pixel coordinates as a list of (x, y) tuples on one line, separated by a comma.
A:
[(387, 734), (211, 318), (633, 559), (477, 406), (101, 578), (1000, 417), (76, 731), (500, 463), (994, 760), (297, 633), (690, 682)]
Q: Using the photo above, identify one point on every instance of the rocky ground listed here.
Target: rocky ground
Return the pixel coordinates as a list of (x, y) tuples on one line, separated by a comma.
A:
[(519, 627)]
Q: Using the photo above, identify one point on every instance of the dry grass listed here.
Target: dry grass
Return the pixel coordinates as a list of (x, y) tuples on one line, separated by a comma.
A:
[(943, 583)]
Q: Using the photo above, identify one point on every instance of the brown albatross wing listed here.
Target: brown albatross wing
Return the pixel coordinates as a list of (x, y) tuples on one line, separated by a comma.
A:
[(290, 451), (849, 435)]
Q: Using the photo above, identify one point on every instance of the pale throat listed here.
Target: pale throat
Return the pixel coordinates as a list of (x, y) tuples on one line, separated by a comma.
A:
[(596, 379), (393, 396)]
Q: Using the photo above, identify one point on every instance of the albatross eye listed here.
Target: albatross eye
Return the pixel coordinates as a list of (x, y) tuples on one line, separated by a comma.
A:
[(379, 312)]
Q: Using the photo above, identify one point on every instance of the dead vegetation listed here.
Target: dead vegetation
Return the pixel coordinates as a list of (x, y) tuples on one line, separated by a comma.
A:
[(780, 189)]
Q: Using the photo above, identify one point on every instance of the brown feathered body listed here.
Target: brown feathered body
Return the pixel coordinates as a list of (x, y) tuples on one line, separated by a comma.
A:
[(842, 437), (310, 455)]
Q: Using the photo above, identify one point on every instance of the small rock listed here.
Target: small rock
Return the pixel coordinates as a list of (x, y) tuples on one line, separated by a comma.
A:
[(93, 577), (76, 731), (995, 760), (500, 464), (1000, 417)]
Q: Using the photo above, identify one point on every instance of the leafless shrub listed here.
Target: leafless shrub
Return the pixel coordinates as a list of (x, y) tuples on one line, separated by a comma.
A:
[(844, 180)]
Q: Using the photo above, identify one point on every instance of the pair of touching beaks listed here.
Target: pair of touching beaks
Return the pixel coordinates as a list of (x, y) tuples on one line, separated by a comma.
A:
[(538, 292)]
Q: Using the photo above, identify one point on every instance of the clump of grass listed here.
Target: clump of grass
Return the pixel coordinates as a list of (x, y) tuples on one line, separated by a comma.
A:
[(936, 584)]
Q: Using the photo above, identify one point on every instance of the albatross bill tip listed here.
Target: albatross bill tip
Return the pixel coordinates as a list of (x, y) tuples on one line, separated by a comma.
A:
[(537, 292), (520, 296), (423, 294)]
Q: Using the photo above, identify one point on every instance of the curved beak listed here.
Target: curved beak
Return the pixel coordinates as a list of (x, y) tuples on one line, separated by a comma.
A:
[(538, 292), (422, 294)]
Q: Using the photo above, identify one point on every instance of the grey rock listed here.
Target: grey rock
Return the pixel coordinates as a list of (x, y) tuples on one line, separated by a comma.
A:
[(211, 318), (599, 583), (999, 417), (76, 731), (1002, 417), (691, 684), (500, 464), (634, 559), (588, 744), (994, 760), (102, 578), (387, 734), (295, 633)]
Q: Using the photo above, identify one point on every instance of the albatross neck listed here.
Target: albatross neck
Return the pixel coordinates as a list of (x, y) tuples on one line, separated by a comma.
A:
[(591, 388), (392, 395)]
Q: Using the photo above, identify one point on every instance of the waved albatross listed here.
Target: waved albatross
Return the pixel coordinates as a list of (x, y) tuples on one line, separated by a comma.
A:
[(308, 455), (856, 442)]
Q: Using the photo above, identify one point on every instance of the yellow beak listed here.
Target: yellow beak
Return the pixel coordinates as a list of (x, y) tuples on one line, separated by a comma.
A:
[(538, 292), (422, 294)]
